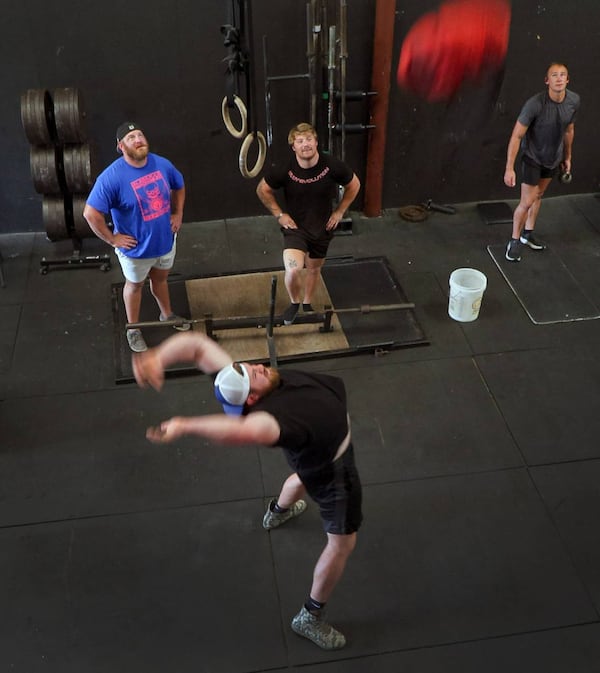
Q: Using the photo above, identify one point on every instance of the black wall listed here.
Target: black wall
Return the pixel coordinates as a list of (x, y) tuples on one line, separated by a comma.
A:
[(161, 64), (456, 152)]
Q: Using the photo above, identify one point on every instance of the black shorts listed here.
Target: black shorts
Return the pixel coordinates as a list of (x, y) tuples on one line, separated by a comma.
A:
[(296, 239), (534, 172), (338, 493)]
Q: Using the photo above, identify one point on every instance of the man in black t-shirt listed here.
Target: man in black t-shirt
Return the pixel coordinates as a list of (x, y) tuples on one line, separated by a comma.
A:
[(310, 182), (305, 414)]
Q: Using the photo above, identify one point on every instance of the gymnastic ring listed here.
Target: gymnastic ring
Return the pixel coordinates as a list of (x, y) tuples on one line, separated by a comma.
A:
[(239, 104), (260, 160)]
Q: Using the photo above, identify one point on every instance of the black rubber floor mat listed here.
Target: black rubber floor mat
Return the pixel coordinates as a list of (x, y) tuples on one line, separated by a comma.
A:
[(495, 212), (545, 287), (366, 282)]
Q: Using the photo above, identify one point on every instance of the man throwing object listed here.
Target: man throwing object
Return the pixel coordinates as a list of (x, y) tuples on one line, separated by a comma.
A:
[(303, 413)]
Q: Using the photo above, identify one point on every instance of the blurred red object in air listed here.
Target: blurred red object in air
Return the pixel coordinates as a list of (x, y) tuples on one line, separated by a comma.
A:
[(463, 41)]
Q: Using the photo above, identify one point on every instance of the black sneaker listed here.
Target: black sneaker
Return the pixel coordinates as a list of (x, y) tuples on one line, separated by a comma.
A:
[(290, 313), (307, 308), (512, 251), (532, 242)]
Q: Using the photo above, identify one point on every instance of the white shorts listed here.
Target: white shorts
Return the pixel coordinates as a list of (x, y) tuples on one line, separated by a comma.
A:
[(136, 269)]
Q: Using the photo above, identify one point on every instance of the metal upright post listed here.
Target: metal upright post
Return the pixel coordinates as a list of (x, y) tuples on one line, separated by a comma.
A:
[(343, 62), (2, 281), (331, 87)]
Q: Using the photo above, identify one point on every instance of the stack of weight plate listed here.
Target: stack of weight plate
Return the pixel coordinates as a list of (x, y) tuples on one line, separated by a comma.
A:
[(60, 159)]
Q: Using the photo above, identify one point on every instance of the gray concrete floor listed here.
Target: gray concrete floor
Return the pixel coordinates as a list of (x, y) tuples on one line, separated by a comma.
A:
[(479, 456)]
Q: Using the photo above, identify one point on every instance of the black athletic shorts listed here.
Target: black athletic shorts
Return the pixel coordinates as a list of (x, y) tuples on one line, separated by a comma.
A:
[(296, 239), (534, 172), (338, 493)]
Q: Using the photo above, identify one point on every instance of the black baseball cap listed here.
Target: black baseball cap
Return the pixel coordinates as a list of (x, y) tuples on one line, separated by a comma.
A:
[(125, 128)]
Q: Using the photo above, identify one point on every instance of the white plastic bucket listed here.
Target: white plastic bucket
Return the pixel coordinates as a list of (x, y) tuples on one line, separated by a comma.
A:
[(466, 292)]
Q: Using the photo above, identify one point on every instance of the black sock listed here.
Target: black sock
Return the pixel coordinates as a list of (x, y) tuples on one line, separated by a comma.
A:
[(527, 233), (306, 307), (277, 509), (313, 606)]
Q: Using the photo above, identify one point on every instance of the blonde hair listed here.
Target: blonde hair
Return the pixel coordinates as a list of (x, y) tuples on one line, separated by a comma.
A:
[(299, 130), (553, 64)]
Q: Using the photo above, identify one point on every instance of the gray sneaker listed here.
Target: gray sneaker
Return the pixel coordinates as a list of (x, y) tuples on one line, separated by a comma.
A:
[(181, 328), (314, 628), (136, 341), (273, 519)]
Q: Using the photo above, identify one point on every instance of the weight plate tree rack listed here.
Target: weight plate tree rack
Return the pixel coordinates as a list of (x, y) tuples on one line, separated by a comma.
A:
[(62, 169)]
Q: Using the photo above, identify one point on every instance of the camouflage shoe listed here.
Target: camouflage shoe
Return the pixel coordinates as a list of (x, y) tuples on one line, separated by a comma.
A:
[(273, 519), (314, 628)]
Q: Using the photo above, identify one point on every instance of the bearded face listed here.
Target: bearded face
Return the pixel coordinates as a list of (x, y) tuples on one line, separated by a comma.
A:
[(135, 146), (136, 153)]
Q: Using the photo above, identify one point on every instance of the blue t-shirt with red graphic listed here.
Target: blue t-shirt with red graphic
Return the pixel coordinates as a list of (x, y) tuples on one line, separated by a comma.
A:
[(139, 202)]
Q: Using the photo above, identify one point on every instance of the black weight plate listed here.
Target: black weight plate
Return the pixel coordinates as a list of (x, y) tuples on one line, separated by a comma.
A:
[(81, 228), (55, 218), (69, 116), (77, 162), (46, 168), (37, 117)]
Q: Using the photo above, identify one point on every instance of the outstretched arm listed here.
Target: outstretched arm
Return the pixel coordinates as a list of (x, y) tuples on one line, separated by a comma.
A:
[(191, 347), (259, 427)]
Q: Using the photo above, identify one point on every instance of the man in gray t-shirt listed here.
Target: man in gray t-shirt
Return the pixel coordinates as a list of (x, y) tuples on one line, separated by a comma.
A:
[(544, 133)]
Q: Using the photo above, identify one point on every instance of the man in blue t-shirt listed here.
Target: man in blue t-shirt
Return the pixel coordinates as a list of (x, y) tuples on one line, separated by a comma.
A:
[(544, 133), (309, 182), (144, 195)]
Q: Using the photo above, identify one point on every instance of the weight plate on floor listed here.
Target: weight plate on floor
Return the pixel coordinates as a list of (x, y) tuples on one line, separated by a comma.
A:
[(77, 162), (69, 115), (55, 218), (46, 169), (37, 117)]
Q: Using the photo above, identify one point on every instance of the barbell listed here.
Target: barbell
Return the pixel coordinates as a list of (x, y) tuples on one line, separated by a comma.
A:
[(240, 322)]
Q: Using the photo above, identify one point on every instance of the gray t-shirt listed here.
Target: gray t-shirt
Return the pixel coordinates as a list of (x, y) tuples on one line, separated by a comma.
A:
[(547, 122)]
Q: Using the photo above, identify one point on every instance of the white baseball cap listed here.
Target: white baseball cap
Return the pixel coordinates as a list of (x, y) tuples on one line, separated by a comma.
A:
[(232, 387)]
